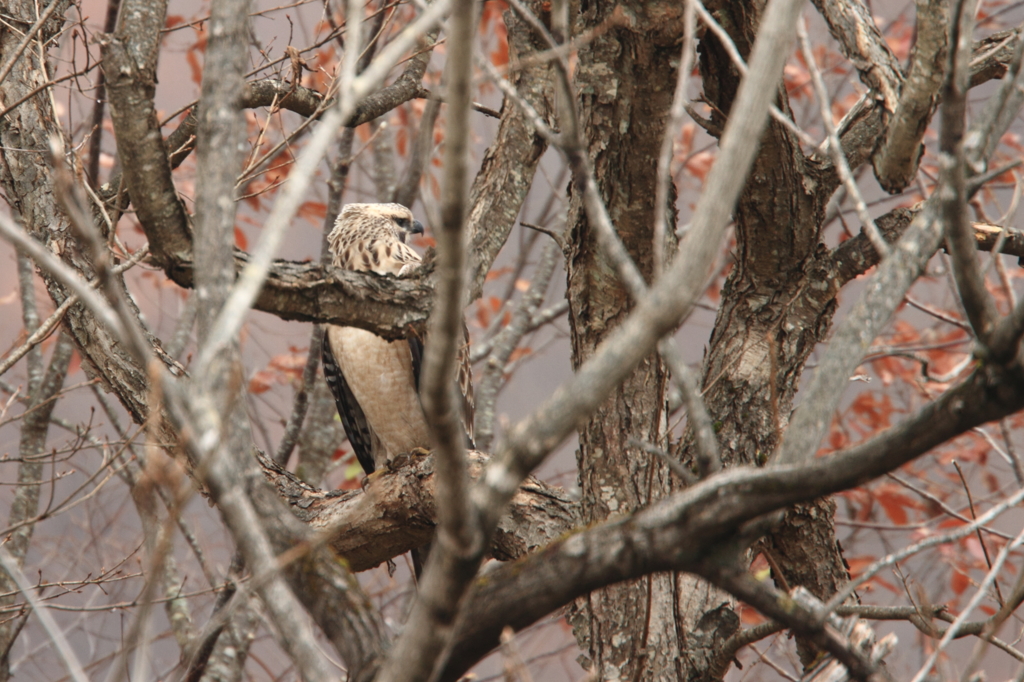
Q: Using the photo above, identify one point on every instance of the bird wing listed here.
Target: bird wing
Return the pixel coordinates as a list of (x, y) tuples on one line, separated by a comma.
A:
[(463, 379), (379, 377), (352, 417)]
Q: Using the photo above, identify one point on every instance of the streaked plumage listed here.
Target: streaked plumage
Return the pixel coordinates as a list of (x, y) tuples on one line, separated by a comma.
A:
[(375, 382)]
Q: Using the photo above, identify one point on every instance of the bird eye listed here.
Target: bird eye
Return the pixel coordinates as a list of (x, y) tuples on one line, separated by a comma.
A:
[(402, 223)]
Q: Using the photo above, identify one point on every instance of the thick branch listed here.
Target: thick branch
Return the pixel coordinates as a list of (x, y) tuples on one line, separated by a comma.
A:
[(678, 533), (990, 58), (129, 67), (310, 292), (508, 167), (952, 189), (862, 43), (292, 291), (396, 512), (897, 158), (856, 255)]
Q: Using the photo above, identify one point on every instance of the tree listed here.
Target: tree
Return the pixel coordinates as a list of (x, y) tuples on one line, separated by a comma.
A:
[(654, 561)]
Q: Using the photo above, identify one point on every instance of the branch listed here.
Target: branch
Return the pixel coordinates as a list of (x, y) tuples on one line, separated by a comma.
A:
[(129, 67), (835, 147), (509, 166), (796, 615), (952, 189), (856, 256), (292, 291), (852, 25), (505, 341), (677, 533), (396, 512), (30, 35), (672, 297), (854, 335), (454, 557), (897, 158), (864, 125), (64, 650)]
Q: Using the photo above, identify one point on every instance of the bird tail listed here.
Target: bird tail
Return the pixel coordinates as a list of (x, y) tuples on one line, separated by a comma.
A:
[(419, 559)]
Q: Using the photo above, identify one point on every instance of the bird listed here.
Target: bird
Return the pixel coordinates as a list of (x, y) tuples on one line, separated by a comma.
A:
[(375, 382)]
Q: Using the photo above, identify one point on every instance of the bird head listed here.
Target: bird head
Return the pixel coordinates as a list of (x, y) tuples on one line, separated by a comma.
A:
[(372, 238)]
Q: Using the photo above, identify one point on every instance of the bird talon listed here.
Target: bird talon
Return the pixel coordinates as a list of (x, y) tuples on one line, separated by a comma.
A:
[(371, 476), (419, 452)]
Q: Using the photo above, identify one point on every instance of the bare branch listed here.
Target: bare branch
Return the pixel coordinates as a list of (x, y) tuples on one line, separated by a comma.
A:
[(64, 650), (797, 617), (976, 598), (671, 535), (835, 148), (897, 158), (506, 341), (672, 128), (508, 167), (454, 556), (952, 191)]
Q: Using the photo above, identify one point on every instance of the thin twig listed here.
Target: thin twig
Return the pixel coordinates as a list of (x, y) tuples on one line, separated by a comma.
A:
[(981, 539), (29, 36), (835, 147), (64, 650), (47, 327)]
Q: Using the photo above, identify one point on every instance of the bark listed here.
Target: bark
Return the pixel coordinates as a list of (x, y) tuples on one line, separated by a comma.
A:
[(690, 529), (396, 512), (624, 79), (897, 158), (777, 304), (508, 167)]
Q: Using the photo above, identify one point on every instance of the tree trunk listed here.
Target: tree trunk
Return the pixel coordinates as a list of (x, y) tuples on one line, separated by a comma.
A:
[(777, 304), (625, 80)]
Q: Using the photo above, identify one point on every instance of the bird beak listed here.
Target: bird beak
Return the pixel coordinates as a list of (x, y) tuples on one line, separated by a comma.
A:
[(417, 227)]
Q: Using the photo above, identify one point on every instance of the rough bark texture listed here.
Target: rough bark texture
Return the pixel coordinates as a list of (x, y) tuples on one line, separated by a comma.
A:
[(625, 83), (396, 511), (776, 305), (22, 140)]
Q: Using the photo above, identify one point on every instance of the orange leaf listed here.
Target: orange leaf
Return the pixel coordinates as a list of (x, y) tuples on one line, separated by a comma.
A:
[(699, 164), (261, 381), (495, 273), (313, 211), (959, 582), (750, 616), (291, 365), (894, 505), (75, 363), (483, 315), (240, 239), (499, 55)]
